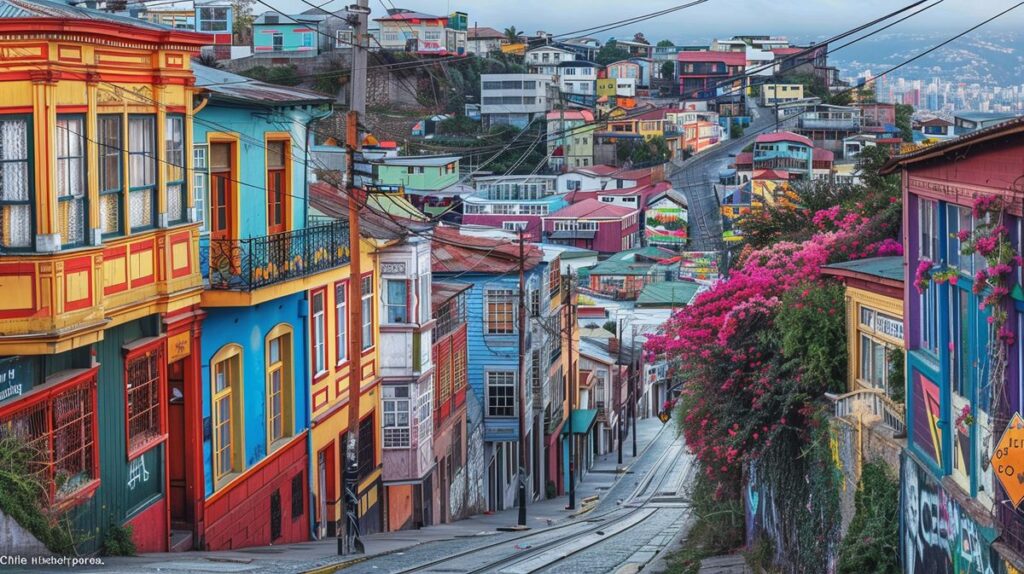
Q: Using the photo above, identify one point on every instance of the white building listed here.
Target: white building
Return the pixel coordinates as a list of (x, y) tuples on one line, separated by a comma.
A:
[(513, 99), (546, 59), (578, 77), (482, 41)]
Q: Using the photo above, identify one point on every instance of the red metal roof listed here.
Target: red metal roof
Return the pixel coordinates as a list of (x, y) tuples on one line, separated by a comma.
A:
[(786, 51), (744, 158), (584, 115), (784, 137), (454, 252), (483, 33), (823, 155), (601, 170), (591, 209), (773, 174), (408, 15), (728, 58)]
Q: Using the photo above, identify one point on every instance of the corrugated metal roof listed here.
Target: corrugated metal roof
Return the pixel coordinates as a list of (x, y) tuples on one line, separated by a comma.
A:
[(228, 86), (63, 10)]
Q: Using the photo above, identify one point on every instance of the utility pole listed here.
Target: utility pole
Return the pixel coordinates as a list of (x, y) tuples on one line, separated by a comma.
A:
[(348, 532), (632, 402), (622, 411), (521, 525), (572, 396)]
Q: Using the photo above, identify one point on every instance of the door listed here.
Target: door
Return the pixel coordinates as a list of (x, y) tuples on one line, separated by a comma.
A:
[(221, 191), (181, 510), (327, 499), (276, 220)]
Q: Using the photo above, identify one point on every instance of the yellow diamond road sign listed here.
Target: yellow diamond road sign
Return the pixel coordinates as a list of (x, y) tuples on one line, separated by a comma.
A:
[(1008, 460)]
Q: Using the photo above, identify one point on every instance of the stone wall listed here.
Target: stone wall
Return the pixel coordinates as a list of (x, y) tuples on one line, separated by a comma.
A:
[(850, 452), (16, 541)]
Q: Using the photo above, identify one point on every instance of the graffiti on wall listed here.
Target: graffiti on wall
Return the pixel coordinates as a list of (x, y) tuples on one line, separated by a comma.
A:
[(665, 223), (938, 535), (926, 434)]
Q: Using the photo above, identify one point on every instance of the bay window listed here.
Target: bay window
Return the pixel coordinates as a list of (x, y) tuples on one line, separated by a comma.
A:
[(141, 171), (71, 181), (15, 184), (395, 408), (110, 172), (174, 143), (397, 303)]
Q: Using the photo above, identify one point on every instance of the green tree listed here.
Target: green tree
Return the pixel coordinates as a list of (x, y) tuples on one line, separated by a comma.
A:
[(668, 70), (904, 115), (648, 152), (666, 44), (241, 28), (611, 52), (512, 35)]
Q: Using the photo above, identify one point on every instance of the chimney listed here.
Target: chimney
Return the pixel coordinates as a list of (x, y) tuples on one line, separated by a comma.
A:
[(613, 345)]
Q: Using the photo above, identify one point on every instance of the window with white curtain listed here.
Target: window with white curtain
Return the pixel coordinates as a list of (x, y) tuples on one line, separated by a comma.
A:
[(111, 168), (71, 178), (15, 184), (141, 171), (174, 152)]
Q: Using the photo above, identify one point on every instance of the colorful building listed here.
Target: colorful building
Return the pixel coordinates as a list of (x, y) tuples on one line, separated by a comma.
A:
[(624, 275), (263, 347), (423, 34), (513, 203), (417, 173), (946, 468), (593, 224), (703, 75), (772, 94), (99, 245), (459, 459), (570, 139), (278, 35)]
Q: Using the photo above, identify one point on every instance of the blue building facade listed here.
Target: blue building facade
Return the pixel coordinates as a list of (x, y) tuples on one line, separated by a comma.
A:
[(956, 409), (257, 257)]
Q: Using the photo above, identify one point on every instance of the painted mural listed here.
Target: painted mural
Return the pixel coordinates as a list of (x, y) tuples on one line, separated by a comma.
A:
[(938, 537), (665, 223), (699, 265), (925, 434)]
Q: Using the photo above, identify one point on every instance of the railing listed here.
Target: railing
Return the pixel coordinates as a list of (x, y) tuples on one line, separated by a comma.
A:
[(248, 264), (828, 124), (893, 415)]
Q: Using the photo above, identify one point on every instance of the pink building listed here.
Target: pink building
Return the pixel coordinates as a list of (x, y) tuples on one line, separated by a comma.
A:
[(593, 224)]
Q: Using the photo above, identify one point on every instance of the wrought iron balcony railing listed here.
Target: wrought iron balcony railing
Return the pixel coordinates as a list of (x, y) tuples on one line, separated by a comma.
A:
[(248, 264)]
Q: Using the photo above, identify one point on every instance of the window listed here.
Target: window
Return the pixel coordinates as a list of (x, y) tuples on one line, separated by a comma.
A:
[(367, 448), (213, 19), (277, 40), (554, 278), (174, 144), (279, 384), (395, 409), (501, 394), (874, 364), (341, 321), (228, 451), (459, 356), (141, 171), (71, 180), (500, 304), (397, 302), (199, 182), (425, 411), (319, 332), (59, 428), (514, 225), (144, 382), (111, 166), (928, 238), (367, 310), (344, 39), (277, 187), (424, 298)]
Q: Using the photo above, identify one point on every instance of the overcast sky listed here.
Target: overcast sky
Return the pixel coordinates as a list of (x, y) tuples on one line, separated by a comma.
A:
[(715, 18)]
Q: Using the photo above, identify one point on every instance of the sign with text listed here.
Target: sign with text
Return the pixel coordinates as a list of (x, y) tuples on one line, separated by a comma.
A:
[(15, 378), (1008, 460)]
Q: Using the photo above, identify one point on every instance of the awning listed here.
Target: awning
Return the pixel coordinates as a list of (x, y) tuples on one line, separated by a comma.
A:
[(577, 234), (582, 421)]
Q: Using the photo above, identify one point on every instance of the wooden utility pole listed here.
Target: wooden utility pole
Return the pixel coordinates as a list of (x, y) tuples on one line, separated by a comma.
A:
[(348, 532), (522, 381), (572, 393), (622, 411), (633, 387)]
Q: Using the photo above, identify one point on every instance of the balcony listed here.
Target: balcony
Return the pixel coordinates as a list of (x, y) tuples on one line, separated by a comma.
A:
[(872, 403), (250, 264), (829, 124)]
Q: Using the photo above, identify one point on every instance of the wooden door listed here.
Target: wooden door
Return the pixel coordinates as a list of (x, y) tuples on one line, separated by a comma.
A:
[(276, 188), (180, 508), (221, 192)]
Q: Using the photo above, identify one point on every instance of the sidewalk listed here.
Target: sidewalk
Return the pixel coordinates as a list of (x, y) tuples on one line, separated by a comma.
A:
[(321, 556)]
